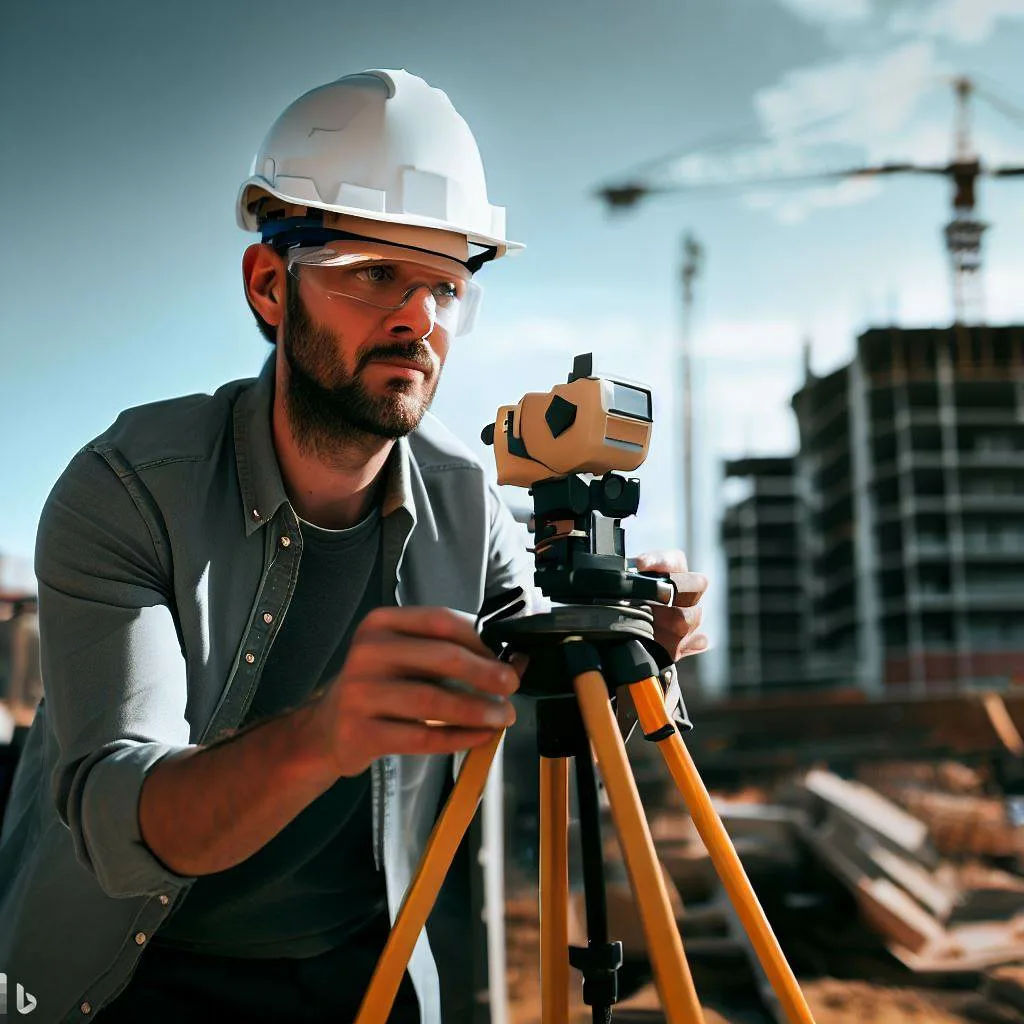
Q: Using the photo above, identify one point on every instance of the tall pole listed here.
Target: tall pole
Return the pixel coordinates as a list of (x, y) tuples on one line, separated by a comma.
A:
[(964, 231), (693, 254)]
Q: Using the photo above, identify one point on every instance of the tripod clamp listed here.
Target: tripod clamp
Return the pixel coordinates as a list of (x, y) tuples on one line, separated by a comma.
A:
[(599, 965)]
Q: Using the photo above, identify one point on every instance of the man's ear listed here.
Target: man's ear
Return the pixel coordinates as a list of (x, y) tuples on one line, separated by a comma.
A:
[(263, 273)]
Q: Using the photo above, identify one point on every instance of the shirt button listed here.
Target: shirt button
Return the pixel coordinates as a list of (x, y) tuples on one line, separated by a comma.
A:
[(256, 514), (86, 1008), (268, 618), (250, 657), (140, 938), (164, 900), (286, 541)]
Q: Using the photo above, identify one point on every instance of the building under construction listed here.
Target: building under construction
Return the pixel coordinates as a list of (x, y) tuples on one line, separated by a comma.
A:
[(889, 551)]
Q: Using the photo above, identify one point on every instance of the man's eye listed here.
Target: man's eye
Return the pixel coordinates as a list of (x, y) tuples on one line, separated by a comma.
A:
[(379, 274), (446, 290)]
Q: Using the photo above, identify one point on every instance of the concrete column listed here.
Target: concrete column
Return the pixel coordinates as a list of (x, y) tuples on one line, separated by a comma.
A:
[(870, 642)]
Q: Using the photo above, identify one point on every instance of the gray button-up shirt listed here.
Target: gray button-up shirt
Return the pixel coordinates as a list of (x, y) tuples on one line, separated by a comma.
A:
[(167, 554)]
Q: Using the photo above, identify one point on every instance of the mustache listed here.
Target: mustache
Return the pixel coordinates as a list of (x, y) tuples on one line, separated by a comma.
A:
[(414, 352)]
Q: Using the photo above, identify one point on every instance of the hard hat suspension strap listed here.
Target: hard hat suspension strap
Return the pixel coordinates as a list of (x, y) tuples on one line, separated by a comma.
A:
[(289, 232)]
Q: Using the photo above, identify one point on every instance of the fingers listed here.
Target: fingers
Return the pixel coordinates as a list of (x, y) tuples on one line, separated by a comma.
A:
[(395, 656), (409, 738), (427, 702), (433, 623), (519, 662), (693, 645), (680, 622), (415, 681), (690, 587), (672, 560), (676, 630)]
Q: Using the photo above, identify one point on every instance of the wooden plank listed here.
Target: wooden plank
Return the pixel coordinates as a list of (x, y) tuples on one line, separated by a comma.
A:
[(835, 844), (968, 947), (937, 899), (1003, 724), (873, 812), (891, 912)]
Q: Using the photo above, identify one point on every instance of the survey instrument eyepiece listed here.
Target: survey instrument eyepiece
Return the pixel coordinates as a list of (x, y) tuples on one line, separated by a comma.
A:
[(590, 424)]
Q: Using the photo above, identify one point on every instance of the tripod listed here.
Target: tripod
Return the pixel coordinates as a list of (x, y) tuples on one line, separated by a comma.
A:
[(580, 655)]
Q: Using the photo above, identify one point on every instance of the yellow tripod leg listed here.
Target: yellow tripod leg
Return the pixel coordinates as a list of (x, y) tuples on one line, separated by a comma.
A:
[(554, 890), (444, 841), (650, 706), (665, 947)]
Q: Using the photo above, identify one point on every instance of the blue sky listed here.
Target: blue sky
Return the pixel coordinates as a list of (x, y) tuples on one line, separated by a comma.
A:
[(127, 129)]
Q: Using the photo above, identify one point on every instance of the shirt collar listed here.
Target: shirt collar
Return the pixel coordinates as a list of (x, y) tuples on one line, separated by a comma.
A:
[(259, 475)]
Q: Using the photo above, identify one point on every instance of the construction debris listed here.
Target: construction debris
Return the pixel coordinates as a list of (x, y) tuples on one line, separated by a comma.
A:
[(964, 824), (895, 888), (929, 918)]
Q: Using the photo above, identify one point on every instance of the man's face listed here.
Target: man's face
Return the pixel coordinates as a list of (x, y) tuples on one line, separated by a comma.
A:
[(358, 370)]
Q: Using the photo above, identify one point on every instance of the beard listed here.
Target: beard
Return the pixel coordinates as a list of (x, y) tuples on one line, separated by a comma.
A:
[(329, 408)]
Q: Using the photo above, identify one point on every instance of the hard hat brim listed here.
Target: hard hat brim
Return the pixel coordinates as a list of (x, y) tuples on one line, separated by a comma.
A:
[(247, 221)]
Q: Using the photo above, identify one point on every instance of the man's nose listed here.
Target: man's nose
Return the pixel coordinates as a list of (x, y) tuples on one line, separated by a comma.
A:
[(417, 314)]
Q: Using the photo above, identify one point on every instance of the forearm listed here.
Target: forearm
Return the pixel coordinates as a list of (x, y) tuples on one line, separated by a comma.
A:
[(215, 806)]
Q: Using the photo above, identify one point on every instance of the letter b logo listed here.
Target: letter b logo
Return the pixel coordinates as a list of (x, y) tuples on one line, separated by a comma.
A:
[(26, 1001)]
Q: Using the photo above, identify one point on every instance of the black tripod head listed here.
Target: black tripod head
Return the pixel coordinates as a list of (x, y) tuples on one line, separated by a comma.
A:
[(580, 544)]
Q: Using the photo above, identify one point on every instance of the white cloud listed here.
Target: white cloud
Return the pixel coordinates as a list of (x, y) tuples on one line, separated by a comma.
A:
[(840, 115), (821, 120), (852, 101), (829, 11), (965, 22), (793, 208)]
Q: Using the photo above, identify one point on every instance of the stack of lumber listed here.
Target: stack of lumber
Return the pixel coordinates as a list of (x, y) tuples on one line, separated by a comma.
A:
[(955, 802), (932, 918)]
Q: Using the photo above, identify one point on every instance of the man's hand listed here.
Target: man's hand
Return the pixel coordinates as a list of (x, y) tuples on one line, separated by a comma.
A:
[(389, 697), (676, 627)]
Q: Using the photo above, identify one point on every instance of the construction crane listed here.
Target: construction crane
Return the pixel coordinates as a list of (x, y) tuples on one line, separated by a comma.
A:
[(963, 232)]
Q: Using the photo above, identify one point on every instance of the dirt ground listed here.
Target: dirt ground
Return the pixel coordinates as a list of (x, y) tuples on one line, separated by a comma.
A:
[(832, 1001)]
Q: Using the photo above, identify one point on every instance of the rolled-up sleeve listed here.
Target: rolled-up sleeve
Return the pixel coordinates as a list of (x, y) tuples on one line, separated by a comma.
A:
[(113, 671)]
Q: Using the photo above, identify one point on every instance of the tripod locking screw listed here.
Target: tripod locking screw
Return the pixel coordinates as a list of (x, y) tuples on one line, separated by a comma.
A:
[(599, 965)]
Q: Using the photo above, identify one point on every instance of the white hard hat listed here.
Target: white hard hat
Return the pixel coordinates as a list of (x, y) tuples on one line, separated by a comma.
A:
[(380, 146)]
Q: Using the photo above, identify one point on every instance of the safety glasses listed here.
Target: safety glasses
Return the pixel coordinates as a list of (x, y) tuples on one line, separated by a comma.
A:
[(387, 277)]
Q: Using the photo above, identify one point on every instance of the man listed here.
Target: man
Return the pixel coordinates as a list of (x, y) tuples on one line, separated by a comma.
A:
[(249, 602)]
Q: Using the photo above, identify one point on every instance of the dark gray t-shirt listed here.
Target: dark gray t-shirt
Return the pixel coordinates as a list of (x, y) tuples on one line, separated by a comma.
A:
[(314, 885)]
